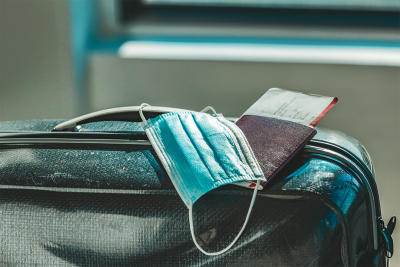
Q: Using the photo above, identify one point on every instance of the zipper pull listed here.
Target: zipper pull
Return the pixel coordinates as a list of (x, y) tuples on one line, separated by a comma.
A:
[(388, 242), (386, 235), (391, 224)]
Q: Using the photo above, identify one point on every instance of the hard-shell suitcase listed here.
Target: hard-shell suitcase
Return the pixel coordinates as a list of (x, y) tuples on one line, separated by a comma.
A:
[(92, 192)]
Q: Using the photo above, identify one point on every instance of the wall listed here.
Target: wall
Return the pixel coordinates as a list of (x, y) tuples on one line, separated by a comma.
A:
[(35, 63)]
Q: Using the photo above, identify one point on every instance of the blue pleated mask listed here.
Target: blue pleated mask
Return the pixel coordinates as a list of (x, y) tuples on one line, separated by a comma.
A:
[(201, 152)]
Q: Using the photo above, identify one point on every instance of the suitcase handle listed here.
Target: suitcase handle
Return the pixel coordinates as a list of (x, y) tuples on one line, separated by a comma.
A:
[(114, 114)]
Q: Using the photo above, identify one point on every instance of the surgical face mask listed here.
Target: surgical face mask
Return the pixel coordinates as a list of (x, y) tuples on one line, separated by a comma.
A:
[(201, 152)]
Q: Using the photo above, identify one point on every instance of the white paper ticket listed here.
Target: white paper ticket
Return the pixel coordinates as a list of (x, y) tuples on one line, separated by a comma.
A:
[(298, 107)]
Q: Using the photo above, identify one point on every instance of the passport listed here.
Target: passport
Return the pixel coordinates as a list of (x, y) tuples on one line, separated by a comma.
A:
[(274, 143), (278, 125)]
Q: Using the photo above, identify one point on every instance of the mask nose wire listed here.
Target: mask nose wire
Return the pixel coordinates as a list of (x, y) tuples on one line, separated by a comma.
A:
[(236, 238)]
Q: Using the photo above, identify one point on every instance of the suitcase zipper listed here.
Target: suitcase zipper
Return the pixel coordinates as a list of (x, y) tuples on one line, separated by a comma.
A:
[(28, 141)]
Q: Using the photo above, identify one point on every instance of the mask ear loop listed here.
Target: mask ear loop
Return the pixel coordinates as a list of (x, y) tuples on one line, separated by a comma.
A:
[(142, 106), (238, 235), (209, 108)]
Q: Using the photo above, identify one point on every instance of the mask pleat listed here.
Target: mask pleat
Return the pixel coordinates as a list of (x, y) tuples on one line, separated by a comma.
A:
[(222, 146), (180, 158), (208, 155)]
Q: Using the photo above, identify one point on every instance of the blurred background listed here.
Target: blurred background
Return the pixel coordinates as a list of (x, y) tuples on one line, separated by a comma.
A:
[(65, 58)]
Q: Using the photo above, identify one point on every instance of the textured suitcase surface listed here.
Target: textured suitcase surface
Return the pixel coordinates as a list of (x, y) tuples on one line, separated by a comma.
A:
[(99, 197)]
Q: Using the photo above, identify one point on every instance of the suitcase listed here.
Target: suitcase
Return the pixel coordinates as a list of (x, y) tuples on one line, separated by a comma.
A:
[(92, 192)]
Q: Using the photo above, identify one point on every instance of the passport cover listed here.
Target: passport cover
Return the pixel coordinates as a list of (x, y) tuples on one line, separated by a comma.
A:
[(274, 141)]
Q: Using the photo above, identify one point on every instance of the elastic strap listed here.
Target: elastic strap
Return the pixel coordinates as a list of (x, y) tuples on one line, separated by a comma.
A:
[(236, 238), (209, 108), (142, 106)]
